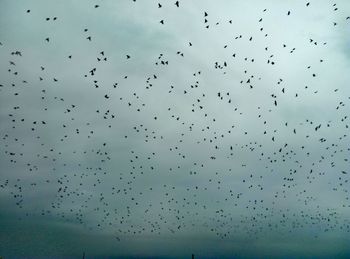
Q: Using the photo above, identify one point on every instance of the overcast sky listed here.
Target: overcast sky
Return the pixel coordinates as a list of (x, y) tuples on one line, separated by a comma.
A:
[(143, 128)]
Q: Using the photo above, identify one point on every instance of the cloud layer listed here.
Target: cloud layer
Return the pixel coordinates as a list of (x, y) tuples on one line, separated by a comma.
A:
[(218, 128)]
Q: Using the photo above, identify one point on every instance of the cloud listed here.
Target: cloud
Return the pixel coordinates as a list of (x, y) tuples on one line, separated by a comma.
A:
[(205, 140)]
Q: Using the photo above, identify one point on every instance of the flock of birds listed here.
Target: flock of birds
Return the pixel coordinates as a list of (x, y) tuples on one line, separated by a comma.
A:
[(172, 141)]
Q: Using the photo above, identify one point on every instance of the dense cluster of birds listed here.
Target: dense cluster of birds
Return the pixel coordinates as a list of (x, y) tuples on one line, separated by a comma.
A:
[(158, 139)]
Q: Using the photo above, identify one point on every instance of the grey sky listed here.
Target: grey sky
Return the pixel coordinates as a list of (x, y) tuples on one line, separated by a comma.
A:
[(224, 141)]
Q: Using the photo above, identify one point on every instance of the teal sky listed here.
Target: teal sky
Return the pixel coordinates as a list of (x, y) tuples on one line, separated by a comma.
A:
[(142, 129)]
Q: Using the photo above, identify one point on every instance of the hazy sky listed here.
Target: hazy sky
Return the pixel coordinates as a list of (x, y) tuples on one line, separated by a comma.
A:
[(139, 128)]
